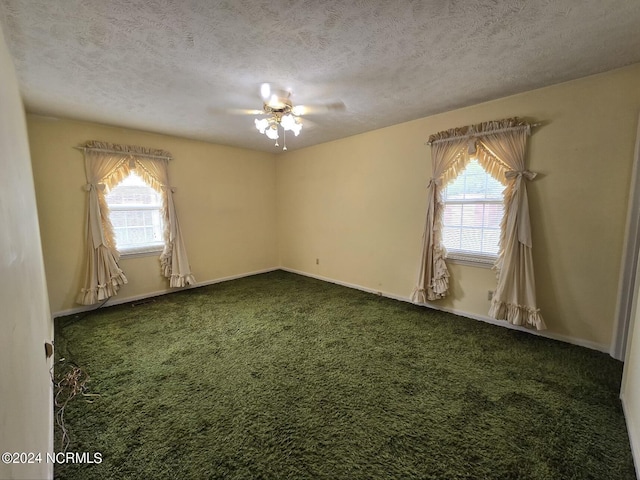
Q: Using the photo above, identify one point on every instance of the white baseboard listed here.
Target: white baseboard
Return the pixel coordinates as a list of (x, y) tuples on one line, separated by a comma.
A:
[(540, 333), (500, 323), (346, 284), (234, 277), (544, 333), (634, 440), (119, 300)]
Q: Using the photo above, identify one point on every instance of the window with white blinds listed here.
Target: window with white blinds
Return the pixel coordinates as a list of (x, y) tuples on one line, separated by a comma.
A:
[(473, 211), (135, 210)]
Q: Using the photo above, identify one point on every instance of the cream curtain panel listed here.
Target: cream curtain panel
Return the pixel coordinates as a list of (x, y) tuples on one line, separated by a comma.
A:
[(499, 147), (106, 165), (103, 276), (515, 297), (448, 160)]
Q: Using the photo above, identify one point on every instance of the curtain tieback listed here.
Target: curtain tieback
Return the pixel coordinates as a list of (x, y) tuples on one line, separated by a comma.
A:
[(173, 189), (434, 182), (94, 186), (520, 173)]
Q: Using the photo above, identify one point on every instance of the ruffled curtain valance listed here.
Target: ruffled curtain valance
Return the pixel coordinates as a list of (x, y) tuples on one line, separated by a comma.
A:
[(474, 132), (499, 147), (106, 165)]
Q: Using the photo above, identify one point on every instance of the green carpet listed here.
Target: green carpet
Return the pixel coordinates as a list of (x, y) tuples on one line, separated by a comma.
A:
[(279, 376)]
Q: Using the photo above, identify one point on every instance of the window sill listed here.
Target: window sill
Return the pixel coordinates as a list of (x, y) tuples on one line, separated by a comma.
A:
[(480, 261), (140, 252)]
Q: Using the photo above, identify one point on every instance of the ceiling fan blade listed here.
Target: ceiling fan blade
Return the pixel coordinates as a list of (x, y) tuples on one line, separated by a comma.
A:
[(319, 108), (236, 111), (246, 111), (306, 123)]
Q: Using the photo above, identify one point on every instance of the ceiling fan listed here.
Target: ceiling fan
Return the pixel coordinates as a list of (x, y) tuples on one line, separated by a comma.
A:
[(281, 113)]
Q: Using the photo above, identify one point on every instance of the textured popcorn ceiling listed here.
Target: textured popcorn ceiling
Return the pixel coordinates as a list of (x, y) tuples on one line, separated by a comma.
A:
[(173, 66)]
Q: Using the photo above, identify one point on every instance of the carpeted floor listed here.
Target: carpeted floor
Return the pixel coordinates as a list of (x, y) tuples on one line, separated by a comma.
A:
[(279, 376)]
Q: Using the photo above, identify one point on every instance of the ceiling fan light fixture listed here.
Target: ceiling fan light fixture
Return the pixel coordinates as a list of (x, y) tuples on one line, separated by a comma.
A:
[(279, 111), (277, 103), (281, 114), (262, 124), (292, 123), (272, 132)]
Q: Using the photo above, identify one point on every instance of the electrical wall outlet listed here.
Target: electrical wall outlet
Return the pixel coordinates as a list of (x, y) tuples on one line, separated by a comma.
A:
[(490, 295), (48, 349), (317, 261)]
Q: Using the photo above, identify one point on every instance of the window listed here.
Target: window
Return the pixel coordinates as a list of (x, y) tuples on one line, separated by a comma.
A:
[(136, 215), (473, 211)]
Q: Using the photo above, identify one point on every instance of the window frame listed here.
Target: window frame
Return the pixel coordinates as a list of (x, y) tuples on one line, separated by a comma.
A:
[(464, 257), (151, 248)]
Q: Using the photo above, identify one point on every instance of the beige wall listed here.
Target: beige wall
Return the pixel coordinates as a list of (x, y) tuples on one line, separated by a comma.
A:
[(358, 204), (26, 412), (225, 200)]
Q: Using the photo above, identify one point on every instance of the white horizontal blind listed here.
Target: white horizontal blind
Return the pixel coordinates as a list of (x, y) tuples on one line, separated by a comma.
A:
[(473, 211), (136, 216)]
